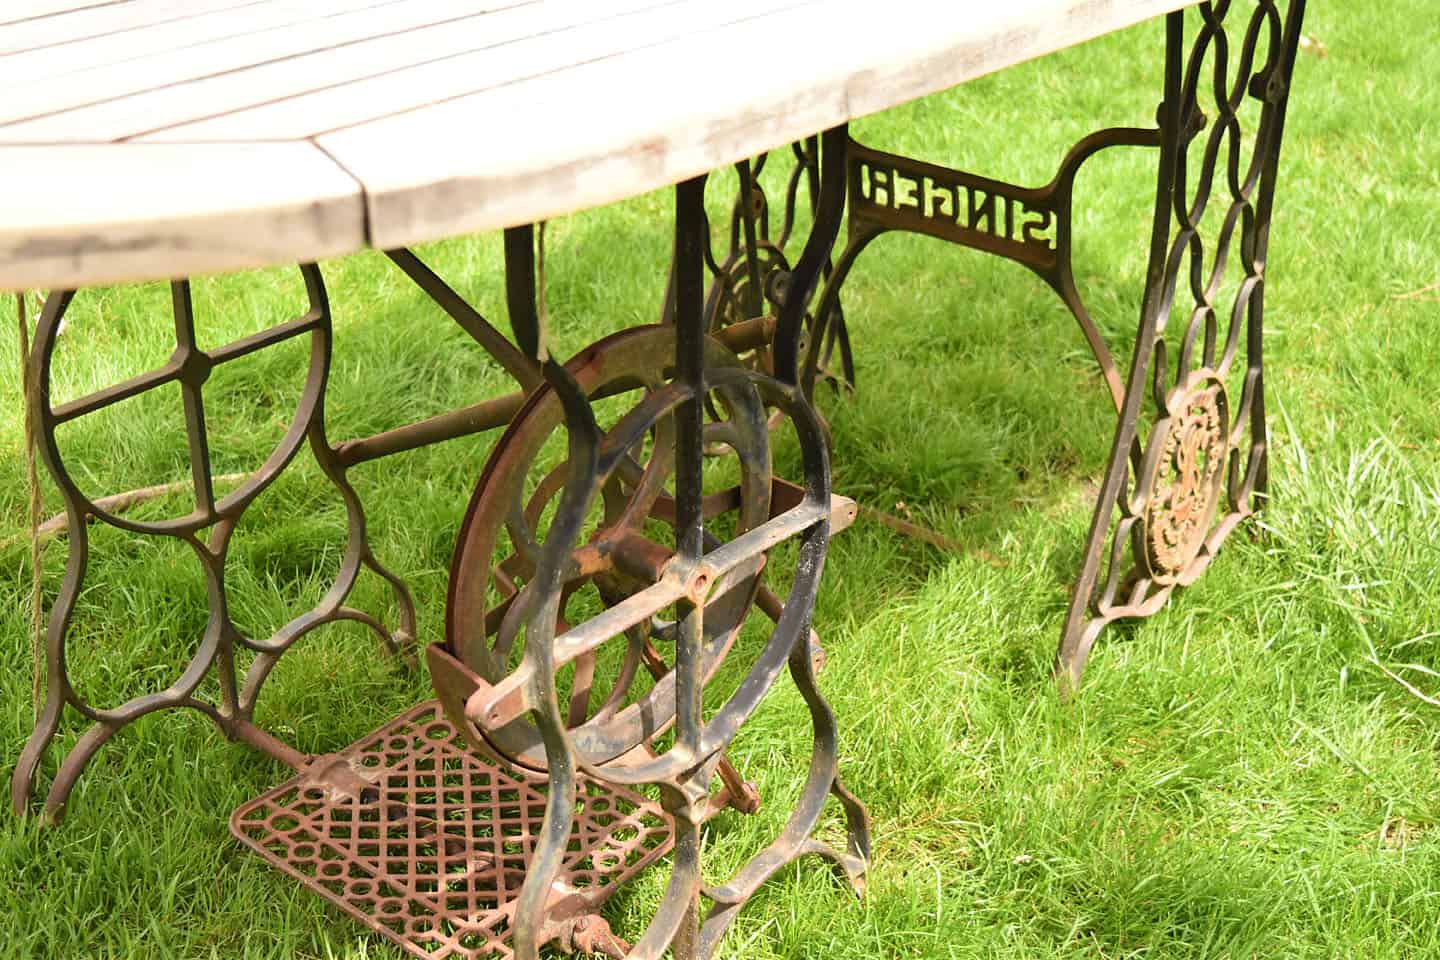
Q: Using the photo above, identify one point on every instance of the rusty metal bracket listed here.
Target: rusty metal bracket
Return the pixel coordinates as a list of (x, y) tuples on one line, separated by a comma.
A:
[(1032, 226)]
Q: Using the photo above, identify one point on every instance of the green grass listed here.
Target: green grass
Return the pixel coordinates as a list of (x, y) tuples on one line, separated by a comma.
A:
[(1242, 775)]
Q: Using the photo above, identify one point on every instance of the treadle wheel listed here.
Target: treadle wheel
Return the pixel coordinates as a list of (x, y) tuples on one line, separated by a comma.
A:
[(730, 293), (622, 552), (727, 304), (746, 283)]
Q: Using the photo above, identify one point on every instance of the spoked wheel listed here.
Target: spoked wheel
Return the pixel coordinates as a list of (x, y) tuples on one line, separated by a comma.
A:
[(742, 285), (743, 290), (751, 281), (612, 642)]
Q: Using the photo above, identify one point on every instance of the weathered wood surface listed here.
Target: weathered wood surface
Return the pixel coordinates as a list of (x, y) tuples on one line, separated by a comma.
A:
[(157, 138)]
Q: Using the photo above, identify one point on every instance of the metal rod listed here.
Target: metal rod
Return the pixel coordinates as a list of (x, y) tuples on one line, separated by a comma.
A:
[(267, 743), (477, 418), (806, 275), (515, 363)]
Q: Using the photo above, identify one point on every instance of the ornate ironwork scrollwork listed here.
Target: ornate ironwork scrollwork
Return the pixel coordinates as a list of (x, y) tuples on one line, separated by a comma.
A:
[(1176, 496), (1183, 472), (750, 282)]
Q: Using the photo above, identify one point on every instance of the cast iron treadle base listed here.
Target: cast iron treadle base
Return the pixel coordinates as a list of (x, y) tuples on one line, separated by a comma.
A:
[(414, 836)]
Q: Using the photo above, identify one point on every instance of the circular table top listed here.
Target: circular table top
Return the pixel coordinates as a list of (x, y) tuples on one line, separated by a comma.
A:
[(148, 139)]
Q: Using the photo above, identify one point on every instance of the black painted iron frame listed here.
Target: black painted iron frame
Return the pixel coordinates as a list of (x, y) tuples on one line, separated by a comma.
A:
[(1161, 493)]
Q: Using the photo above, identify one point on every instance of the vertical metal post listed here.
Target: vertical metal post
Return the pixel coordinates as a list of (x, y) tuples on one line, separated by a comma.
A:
[(1079, 632), (689, 521)]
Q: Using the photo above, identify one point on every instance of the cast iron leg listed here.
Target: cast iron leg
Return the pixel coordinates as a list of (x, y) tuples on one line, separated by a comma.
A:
[(1188, 461), (206, 528)]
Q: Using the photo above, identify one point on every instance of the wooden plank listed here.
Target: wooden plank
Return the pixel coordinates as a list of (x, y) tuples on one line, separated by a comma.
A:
[(136, 50), (98, 214), (35, 9), (471, 26), (274, 39), (918, 63), (617, 127), (96, 21), (592, 130), (622, 25)]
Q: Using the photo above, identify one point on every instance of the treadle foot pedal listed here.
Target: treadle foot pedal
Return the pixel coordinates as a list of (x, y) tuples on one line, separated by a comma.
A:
[(414, 836)]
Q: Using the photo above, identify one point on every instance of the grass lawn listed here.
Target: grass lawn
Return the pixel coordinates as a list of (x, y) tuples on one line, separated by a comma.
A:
[(1243, 775)]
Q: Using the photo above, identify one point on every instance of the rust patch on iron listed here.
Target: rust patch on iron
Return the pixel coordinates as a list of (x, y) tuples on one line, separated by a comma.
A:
[(431, 853)]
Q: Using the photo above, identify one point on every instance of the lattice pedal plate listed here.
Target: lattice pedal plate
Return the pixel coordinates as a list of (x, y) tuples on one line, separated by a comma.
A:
[(414, 836)]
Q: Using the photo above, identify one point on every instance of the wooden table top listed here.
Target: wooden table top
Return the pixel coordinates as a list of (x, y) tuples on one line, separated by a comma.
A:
[(157, 138)]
